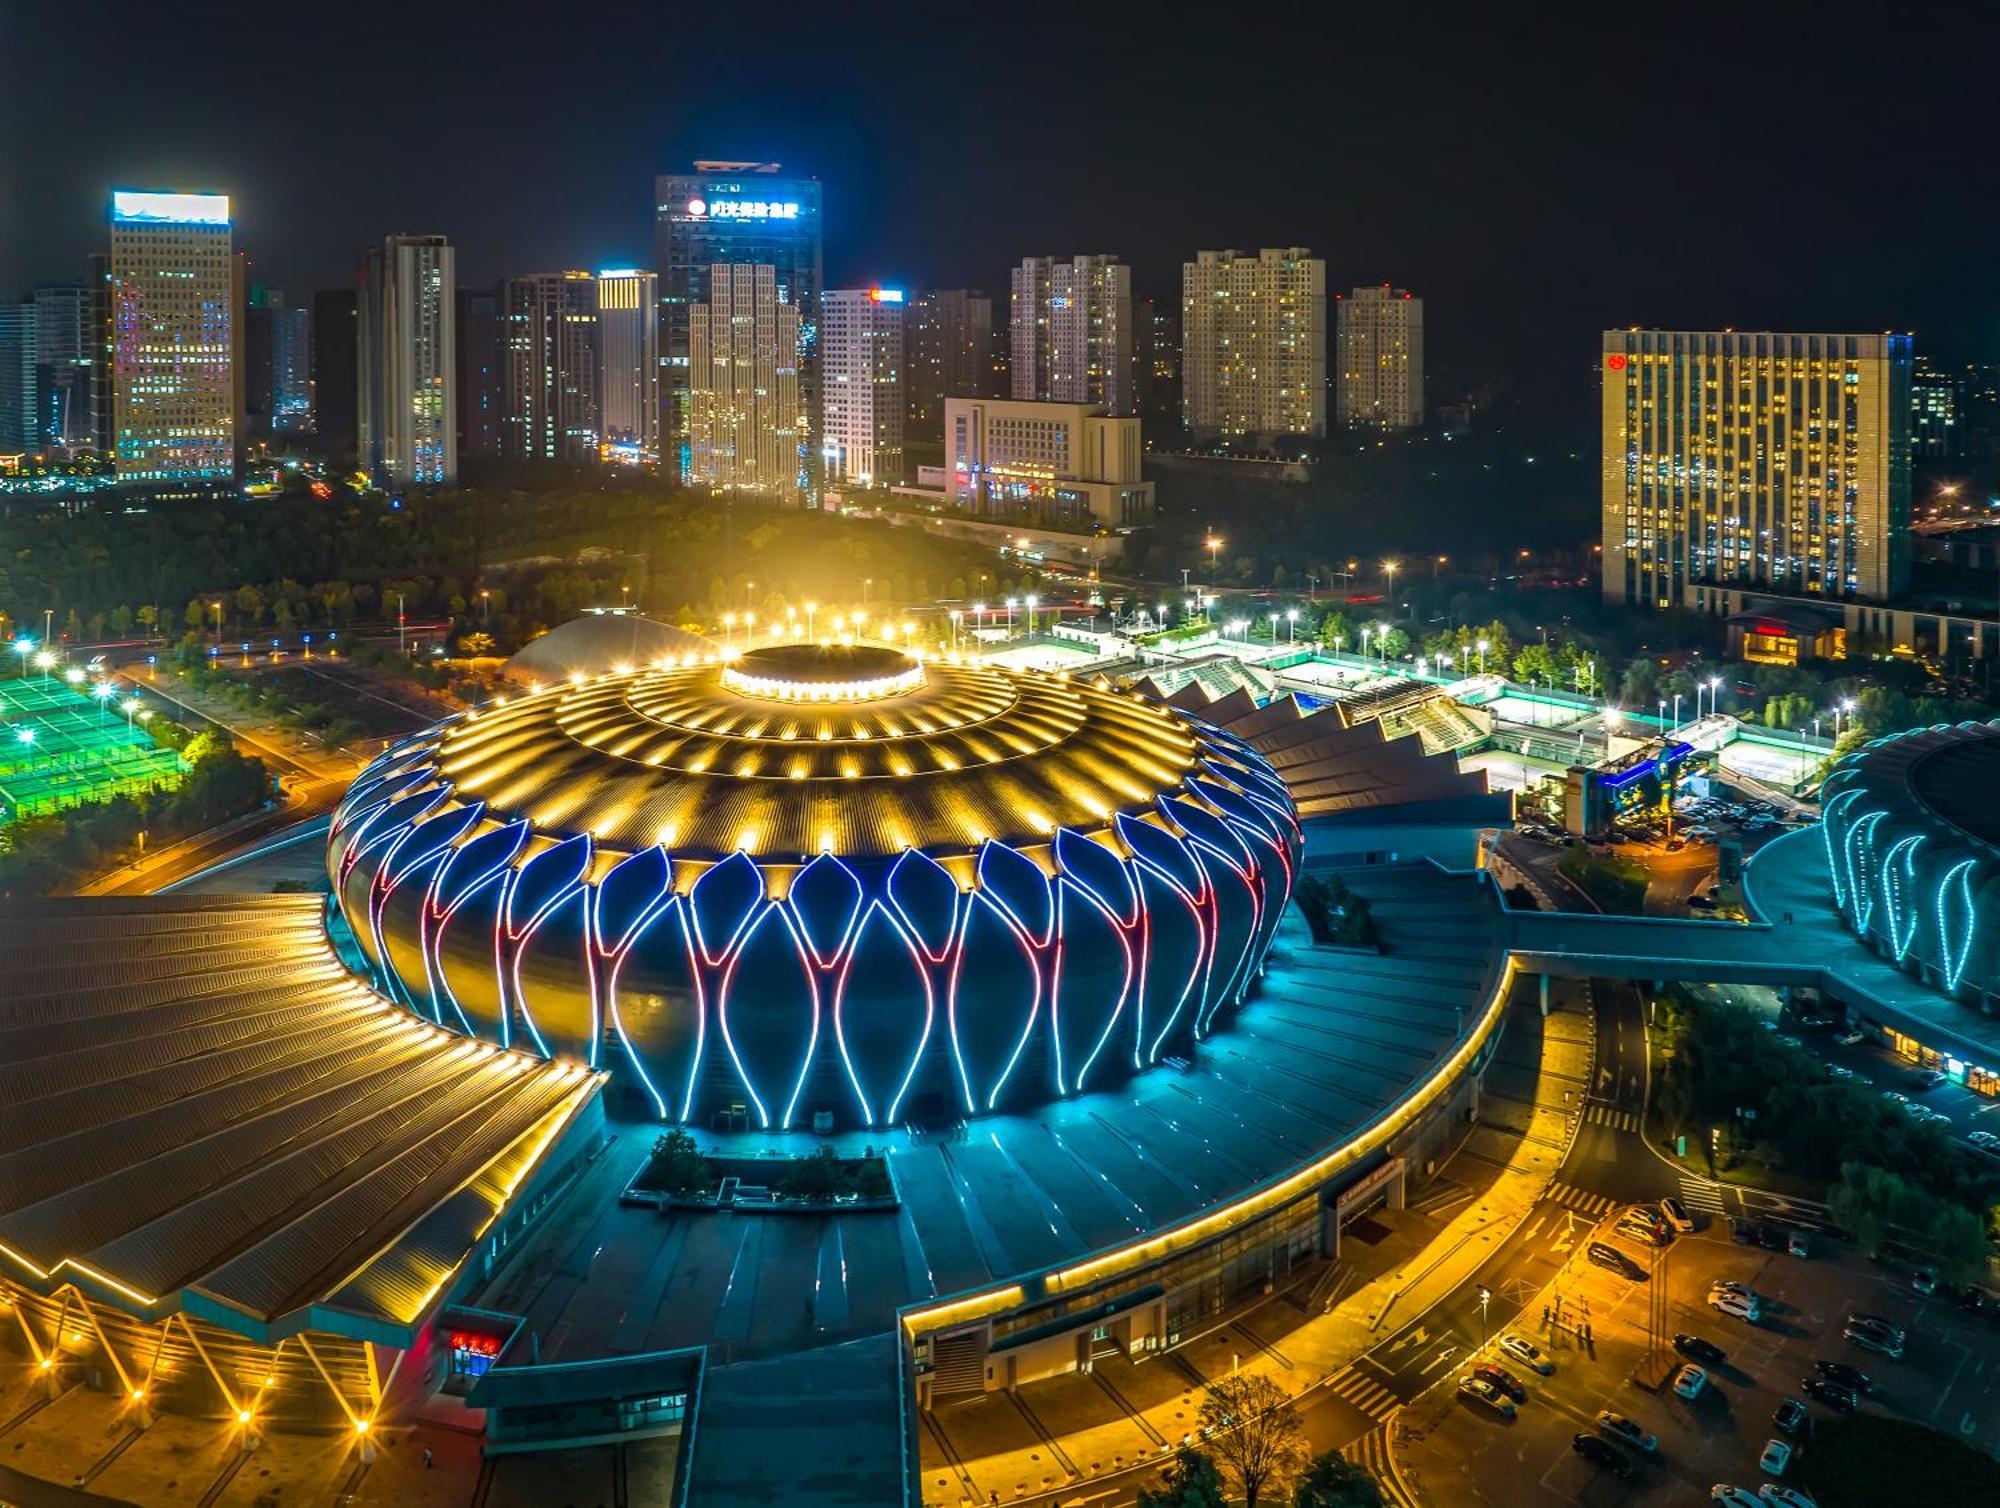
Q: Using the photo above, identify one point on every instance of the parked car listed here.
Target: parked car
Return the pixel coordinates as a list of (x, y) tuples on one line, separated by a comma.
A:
[(1984, 1141), (1771, 1237), (1924, 1281), (1846, 1376), (1733, 1497), (1640, 1230), (1603, 1455), (1605, 1255), (1848, 1038), (1973, 1299), (1627, 1431), (1775, 1457), (1502, 1379), (1698, 1349), (1479, 1390), (1790, 1416), (1780, 1496), (1741, 1231), (1527, 1353), (1736, 1306), (1928, 1078), (1799, 1244), (1841, 1071), (1832, 1394), (1886, 1327), (1688, 1383), (1726, 1285), (1677, 1216), (1895, 1097)]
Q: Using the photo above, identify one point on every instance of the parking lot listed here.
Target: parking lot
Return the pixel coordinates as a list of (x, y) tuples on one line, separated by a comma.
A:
[(1949, 1377)]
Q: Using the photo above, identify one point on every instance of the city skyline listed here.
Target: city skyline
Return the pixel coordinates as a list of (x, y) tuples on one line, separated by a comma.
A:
[(1506, 217)]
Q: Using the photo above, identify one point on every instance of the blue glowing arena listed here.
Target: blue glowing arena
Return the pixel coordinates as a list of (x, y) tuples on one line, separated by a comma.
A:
[(822, 885)]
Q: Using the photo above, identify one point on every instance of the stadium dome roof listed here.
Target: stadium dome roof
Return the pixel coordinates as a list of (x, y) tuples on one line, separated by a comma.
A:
[(601, 642)]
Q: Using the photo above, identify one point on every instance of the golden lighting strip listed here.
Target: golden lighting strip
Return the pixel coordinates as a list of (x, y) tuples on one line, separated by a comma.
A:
[(1155, 1248), (774, 689)]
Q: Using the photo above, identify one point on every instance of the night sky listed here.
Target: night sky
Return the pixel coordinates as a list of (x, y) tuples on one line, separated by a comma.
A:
[(1805, 168)]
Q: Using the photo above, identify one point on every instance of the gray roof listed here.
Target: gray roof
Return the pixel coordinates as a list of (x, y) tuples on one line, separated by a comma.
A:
[(195, 1098), (598, 643)]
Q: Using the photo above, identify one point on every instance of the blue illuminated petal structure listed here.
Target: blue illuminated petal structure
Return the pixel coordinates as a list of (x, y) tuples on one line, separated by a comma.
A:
[(994, 1007), (1164, 851), (826, 901), (624, 897), (1017, 885), (885, 1008), (1090, 981), (769, 1012), (655, 1003), (1957, 919), (924, 897), (1205, 829), (724, 900), (1234, 916), (1173, 956), (1100, 872), (540, 885)]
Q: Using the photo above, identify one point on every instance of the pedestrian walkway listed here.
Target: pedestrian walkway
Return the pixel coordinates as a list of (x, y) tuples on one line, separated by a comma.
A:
[(1609, 1115), (1596, 1206), (1357, 1388), (1697, 1194), (1371, 1453)]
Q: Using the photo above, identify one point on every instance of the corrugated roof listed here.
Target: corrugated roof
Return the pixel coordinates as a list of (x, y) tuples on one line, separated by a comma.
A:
[(275, 1136)]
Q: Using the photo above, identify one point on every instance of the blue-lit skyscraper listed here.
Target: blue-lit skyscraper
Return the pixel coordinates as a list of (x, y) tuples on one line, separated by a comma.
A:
[(736, 214), (173, 332)]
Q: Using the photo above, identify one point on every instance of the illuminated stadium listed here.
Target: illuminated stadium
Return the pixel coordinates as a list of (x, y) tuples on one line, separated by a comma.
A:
[(1912, 834), (827, 885)]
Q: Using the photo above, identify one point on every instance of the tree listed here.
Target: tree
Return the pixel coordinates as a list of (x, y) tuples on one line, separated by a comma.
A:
[(1535, 663), (1333, 1481), (475, 644), (678, 1165), (1641, 683), (1254, 1429), (1190, 1480)]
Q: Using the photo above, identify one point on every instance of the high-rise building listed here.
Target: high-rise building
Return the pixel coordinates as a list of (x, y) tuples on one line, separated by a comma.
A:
[(291, 370), (64, 358), (948, 353), (628, 338), (21, 427), (1070, 328), (1754, 460), (336, 378), (1066, 463), (1380, 356), (482, 366), (1253, 344), (1156, 361), (99, 345), (174, 332), (735, 214), (861, 434), (1936, 424), (256, 360), (746, 408), (550, 409), (408, 360)]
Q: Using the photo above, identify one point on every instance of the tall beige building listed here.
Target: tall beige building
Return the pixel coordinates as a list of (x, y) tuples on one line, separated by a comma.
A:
[(1253, 343), (1070, 331), (861, 386), (628, 350), (1380, 351), (408, 361), (1755, 460), (175, 336), (1068, 463), (745, 418)]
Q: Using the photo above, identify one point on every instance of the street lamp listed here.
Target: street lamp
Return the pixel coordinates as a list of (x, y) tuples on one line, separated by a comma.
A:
[(45, 659), (103, 691), (1485, 1298), (1214, 543), (1382, 640), (1482, 647), (131, 706), (24, 648), (1714, 687), (1291, 625), (1033, 601)]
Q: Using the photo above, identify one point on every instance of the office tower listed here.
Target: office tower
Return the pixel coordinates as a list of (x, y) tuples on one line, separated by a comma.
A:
[(99, 348), (174, 328), (408, 362), (1775, 462), (1070, 323), (291, 369), (550, 409), (628, 339), (735, 214), (257, 398), (239, 309), (746, 403), (1936, 431), (21, 429), (1380, 356), (336, 377), (1067, 463), (63, 360), (861, 434), (948, 353), (482, 363), (1156, 361), (1253, 344)]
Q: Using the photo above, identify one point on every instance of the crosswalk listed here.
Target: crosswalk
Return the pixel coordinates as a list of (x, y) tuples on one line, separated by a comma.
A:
[(1697, 1195), (1596, 1206), (1371, 1454), (1364, 1393), (1608, 1115)]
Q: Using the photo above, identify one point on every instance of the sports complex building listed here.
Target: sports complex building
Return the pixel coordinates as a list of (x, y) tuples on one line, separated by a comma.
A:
[(1023, 940)]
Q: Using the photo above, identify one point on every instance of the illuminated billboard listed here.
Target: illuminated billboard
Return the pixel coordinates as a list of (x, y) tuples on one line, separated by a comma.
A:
[(138, 206)]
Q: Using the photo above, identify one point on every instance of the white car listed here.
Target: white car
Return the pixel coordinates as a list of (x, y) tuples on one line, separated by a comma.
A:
[(1786, 1497), (1527, 1353), (1689, 1381), (1729, 1285), (1776, 1457), (1985, 1141), (1733, 1497), (1737, 1306)]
